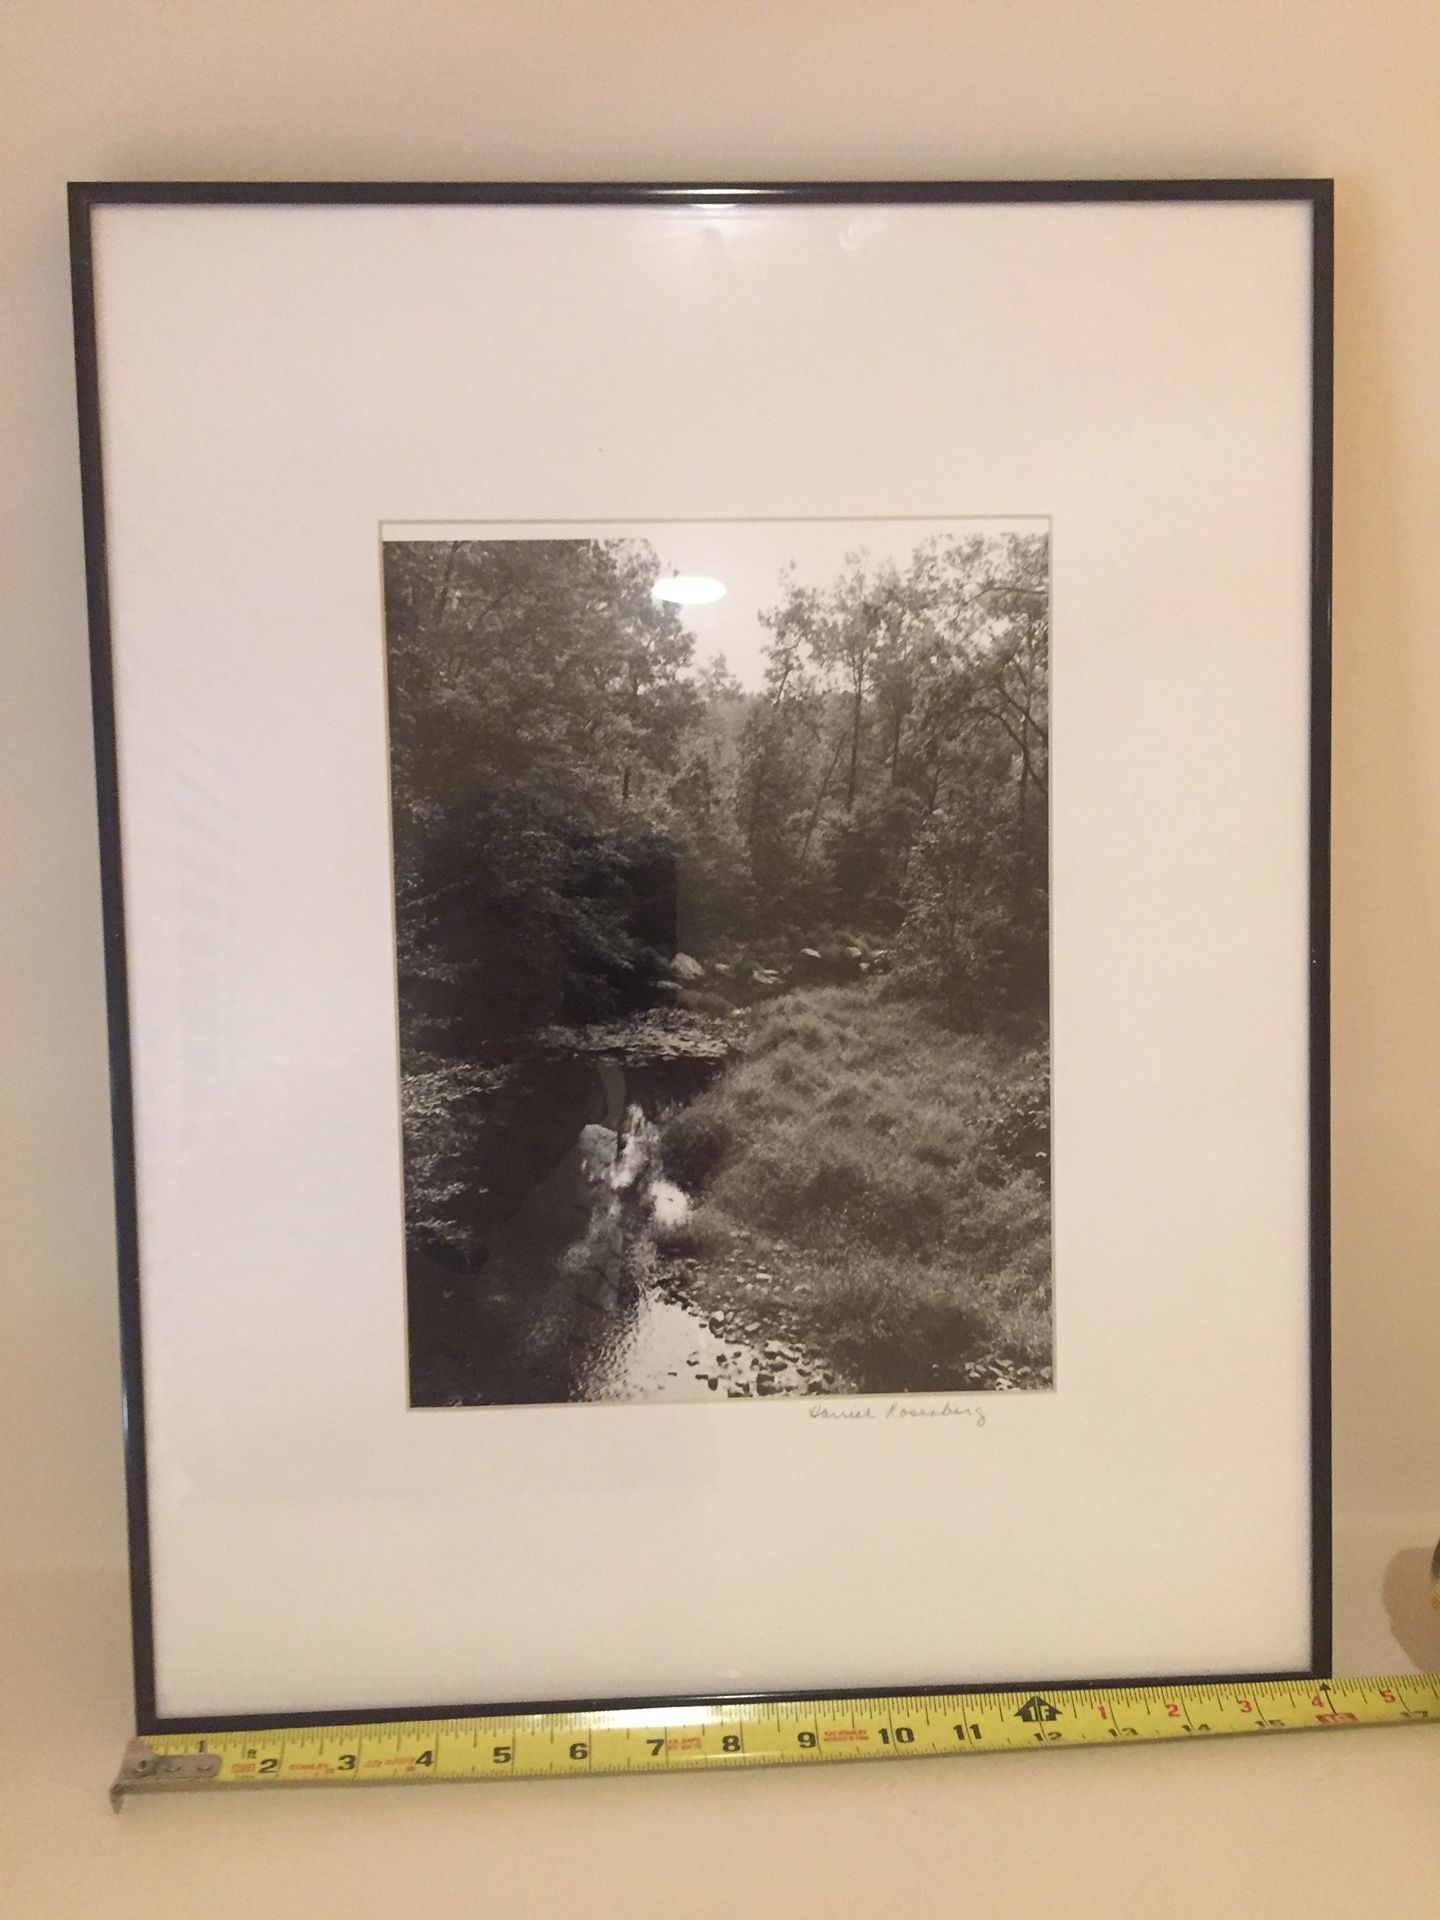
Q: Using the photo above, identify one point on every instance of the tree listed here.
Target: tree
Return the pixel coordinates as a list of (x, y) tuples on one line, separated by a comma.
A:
[(885, 689), (540, 701), (976, 929)]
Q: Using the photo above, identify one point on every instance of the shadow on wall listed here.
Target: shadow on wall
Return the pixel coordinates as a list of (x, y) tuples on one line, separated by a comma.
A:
[(1413, 1621)]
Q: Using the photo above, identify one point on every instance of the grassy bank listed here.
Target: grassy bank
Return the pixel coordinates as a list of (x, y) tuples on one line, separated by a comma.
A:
[(876, 1189)]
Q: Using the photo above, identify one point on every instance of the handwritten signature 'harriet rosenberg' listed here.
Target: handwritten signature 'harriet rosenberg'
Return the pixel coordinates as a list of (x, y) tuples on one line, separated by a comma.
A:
[(900, 1410)]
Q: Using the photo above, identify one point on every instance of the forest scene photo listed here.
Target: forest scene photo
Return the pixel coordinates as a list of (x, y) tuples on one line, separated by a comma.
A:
[(722, 925)]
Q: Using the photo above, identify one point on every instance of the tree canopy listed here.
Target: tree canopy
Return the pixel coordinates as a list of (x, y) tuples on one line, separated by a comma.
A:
[(575, 797)]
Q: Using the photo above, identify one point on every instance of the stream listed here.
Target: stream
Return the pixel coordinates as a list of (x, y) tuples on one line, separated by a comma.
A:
[(569, 1298)]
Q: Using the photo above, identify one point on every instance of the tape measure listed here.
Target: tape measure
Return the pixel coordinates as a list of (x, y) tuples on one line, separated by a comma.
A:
[(802, 1732)]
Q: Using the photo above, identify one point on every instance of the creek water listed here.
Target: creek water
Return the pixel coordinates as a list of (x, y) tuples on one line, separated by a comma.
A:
[(572, 1299)]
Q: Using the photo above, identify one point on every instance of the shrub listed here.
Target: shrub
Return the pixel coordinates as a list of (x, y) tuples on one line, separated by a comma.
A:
[(697, 1237), (1019, 1134), (694, 1141), (443, 1106)]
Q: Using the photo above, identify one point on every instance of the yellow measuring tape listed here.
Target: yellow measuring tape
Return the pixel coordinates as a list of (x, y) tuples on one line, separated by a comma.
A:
[(802, 1732)]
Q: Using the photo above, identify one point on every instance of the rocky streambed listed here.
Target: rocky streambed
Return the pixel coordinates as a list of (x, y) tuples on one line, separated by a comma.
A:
[(669, 1349)]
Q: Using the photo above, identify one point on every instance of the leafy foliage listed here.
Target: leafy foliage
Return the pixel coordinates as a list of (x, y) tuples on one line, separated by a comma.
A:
[(571, 791), (443, 1107), (539, 702)]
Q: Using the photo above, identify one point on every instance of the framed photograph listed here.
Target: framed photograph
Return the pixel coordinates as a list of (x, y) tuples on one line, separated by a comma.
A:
[(714, 813)]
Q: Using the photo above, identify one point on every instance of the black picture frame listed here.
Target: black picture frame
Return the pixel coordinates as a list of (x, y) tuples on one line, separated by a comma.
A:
[(85, 198)]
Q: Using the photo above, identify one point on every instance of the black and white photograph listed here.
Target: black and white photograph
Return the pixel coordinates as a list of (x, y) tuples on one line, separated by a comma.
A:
[(722, 927)]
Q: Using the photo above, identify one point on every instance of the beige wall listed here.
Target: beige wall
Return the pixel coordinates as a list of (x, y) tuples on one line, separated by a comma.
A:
[(771, 89)]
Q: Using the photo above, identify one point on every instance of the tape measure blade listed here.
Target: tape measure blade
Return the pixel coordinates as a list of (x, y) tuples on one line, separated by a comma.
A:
[(800, 1732)]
